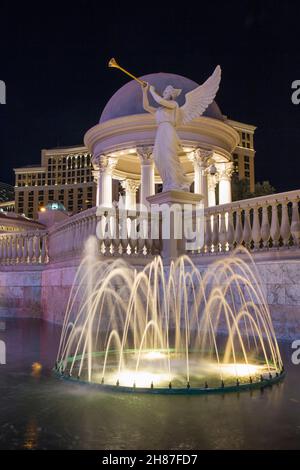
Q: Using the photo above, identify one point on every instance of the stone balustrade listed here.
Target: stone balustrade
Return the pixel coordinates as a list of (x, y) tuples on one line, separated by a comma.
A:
[(23, 248), (262, 223), (117, 234)]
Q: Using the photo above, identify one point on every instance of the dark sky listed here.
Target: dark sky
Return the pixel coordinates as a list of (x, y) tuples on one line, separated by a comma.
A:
[(53, 58)]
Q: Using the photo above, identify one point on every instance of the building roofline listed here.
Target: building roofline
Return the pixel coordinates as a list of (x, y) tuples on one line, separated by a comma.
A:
[(71, 148), (241, 125), (39, 169)]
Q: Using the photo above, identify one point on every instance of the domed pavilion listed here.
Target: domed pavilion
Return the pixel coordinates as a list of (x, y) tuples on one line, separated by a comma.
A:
[(122, 144)]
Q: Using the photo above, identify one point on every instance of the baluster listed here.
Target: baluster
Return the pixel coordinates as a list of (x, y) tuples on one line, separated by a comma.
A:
[(133, 236), (230, 231), (215, 233), (9, 249), (256, 233), (13, 249), (265, 226), (25, 249), (223, 232), (208, 235), (285, 231), (107, 237), (99, 231), (141, 234), (37, 247), (275, 229), (116, 235), (5, 250), (20, 248), (238, 234), (30, 248), (247, 228), (148, 241), (295, 225), (44, 249)]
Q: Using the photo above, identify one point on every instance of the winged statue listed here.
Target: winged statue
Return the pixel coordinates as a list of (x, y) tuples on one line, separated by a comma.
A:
[(170, 115)]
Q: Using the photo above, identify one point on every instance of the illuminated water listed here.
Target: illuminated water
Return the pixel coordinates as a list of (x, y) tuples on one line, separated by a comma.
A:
[(159, 329), (39, 411)]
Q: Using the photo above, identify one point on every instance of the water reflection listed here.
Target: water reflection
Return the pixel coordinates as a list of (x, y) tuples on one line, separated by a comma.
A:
[(43, 412)]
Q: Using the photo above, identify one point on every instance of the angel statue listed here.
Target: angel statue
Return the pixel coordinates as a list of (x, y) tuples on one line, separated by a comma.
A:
[(168, 116)]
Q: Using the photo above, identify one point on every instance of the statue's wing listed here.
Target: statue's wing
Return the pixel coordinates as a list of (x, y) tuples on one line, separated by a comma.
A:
[(197, 100)]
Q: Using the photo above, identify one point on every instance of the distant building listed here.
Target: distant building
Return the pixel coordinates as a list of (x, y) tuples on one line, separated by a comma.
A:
[(65, 176), (243, 155)]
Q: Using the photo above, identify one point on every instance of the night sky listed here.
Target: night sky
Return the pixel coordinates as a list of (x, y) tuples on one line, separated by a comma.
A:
[(54, 62)]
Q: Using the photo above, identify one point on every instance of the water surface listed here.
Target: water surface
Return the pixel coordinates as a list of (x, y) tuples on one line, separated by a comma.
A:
[(38, 411)]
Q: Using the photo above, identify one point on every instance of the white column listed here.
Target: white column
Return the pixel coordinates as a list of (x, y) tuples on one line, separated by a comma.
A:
[(199, 158), (211, 189), (131, 187), (147, 174), (103, 175), (225, 171)]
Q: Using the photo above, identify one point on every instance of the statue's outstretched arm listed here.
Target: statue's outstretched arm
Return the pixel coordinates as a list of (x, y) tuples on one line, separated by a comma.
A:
[(147, 107), (167, 103)]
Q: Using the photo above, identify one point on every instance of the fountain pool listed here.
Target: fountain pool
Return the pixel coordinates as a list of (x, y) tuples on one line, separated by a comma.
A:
[(168, 329)]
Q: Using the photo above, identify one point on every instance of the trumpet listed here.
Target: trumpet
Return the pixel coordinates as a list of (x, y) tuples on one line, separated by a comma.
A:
[(113, 63)]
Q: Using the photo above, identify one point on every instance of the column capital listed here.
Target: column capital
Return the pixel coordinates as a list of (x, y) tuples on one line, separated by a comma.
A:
[(199, 157), (145, 154), (130, 186), (225, 170), (105, 163)]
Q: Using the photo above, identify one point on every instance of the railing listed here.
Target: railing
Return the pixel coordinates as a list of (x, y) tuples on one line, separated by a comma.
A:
[(262, 223), (23, 248), (117, 235)]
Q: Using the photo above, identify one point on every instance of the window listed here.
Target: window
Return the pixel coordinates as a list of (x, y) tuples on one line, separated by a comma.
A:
[(246, 158), (247, 174), (247, 166)]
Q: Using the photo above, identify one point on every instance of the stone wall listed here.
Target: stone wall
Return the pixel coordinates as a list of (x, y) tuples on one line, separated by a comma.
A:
[(44, 293), (20, 291)]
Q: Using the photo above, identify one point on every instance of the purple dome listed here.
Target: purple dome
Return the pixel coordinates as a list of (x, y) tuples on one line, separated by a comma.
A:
[(128, 99)]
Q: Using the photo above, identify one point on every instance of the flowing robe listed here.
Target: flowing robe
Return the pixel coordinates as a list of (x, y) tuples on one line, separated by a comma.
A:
[(167, 146)]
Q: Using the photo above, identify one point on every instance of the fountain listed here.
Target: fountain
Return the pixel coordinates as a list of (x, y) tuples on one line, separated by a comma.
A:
[(168, 330)]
